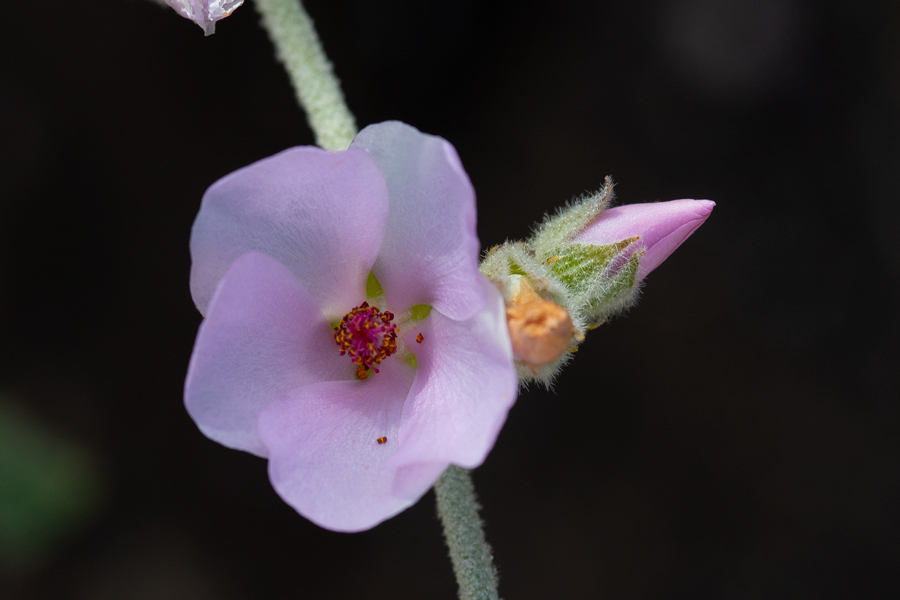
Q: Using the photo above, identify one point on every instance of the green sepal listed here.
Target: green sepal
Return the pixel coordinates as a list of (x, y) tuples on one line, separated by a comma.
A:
[(571, 220), (618, 293), (515, 269), (373, 286), (580, 266), (419, 312)]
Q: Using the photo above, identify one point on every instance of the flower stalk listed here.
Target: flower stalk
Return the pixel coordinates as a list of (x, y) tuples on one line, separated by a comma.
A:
[(469, 552), (318, 90)]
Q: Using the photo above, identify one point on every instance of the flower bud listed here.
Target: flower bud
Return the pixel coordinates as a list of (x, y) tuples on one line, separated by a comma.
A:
[(658, 228), (601, 254), (581, 266)]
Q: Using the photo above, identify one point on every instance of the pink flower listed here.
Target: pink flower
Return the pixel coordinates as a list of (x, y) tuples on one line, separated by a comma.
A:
[(205, 13), (662, 227), (358, 407)]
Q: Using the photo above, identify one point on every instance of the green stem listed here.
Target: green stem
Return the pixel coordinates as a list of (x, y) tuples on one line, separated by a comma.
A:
[(318, 90), (469, 552)]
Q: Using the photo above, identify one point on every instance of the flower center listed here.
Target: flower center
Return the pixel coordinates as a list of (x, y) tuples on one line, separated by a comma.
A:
[(367, 335)]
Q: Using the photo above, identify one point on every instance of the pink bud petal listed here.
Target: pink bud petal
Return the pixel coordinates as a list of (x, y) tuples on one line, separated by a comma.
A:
[(205, 13), (662, 227)]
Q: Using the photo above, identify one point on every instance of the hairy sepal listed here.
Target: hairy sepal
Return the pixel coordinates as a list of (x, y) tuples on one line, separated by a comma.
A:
[(559, 229)]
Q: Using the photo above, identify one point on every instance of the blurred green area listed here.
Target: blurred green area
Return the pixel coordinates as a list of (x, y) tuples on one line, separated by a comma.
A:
[(49, 488)]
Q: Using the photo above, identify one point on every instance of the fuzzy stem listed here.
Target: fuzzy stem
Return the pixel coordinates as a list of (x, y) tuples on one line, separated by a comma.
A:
[(469, 552), (318, 90)]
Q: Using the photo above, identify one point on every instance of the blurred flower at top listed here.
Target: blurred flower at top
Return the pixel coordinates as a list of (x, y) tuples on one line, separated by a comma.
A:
[(205, 13), (349, 336)]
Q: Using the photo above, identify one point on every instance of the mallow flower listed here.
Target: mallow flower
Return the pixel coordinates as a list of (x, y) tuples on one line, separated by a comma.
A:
[(348, 334), (205, 13)]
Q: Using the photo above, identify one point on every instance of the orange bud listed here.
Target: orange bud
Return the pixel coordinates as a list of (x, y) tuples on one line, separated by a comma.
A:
[(540, 330)]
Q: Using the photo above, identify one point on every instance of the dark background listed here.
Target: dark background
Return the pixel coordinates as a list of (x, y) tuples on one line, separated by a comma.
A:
[(735, 437)]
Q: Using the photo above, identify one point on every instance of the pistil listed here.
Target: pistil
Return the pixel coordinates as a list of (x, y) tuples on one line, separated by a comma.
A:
[(367, 336)]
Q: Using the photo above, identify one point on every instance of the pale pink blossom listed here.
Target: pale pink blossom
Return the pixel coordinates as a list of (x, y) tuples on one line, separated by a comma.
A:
[(205, 13), (281, 251)]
